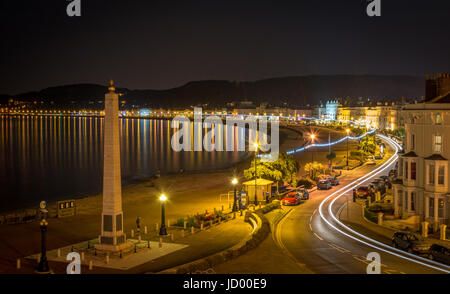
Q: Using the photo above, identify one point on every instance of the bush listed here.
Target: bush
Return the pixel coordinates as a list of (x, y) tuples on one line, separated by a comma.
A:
[(308, 183), (190, 222)]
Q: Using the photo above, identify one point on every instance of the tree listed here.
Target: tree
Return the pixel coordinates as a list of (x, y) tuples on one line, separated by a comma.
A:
[(313, 168), (367, 144)]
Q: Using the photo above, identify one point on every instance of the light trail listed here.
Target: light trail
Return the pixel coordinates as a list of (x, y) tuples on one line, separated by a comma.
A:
[(388, 249)]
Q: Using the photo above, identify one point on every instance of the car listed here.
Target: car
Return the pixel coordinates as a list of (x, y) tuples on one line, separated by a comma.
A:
[(333, 180), (392, 173), (304, 194), (363, 192), (323, 185), (371, 160), (439, 253), (413, 243), (293, 198)]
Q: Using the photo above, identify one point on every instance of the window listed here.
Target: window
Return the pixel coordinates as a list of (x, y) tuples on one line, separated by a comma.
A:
[(431, 172), (440, 207), (413, 139), (438, 119), (437, 144), (413, 171), (406, 170), (431, 208), (413, 201), (441, 172)]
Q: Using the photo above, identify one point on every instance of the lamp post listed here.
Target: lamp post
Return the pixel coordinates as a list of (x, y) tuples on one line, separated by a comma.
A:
[(43, 262), (256, 171), (312, 137), (162, 230), (348, 131), (234, 182)]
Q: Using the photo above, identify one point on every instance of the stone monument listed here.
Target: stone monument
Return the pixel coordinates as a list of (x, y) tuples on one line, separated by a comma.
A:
[(112, 237)]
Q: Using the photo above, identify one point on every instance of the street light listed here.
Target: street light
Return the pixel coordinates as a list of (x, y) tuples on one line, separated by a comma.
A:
[(256, 171), (234, 182), (162, 230), (312, 137), (348, 132), (43, 262)]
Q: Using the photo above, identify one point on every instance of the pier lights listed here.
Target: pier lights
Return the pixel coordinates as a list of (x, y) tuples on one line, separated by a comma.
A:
[(256, 145), (163, 230), (235, 182), (348, 132)]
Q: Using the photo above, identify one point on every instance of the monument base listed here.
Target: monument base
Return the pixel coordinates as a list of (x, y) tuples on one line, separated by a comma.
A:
[(124, 247)]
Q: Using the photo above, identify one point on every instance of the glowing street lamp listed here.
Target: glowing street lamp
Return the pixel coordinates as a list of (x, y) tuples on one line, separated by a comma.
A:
[(348, 132), (162, 230), (312, 137), (234, 182)]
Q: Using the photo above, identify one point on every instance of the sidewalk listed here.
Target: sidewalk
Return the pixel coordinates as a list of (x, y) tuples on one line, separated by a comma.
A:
[(181, 250)]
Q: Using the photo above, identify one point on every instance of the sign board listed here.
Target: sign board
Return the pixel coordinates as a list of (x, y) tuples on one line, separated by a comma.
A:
[(66, 208)]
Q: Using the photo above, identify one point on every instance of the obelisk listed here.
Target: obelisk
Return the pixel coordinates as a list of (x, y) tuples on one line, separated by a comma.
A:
[(112, 237)]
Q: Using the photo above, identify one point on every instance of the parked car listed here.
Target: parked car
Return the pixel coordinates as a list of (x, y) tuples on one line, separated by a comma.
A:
[(371, 160), (333, 180), (410, 242), (392, 173), (363, 192), (439, 253), (304, 194), (293, 198), (323, 185)]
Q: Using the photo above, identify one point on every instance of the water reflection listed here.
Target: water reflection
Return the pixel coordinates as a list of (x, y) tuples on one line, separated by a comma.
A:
[(52, 158)]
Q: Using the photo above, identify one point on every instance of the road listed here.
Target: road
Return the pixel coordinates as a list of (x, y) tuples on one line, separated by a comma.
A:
[(317, 241)]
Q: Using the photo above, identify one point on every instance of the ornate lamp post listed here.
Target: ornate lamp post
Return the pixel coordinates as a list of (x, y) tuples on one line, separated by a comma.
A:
[(162, 230), (256, 172), (348, 132), (312, 137), (43, 263), (234, 182)]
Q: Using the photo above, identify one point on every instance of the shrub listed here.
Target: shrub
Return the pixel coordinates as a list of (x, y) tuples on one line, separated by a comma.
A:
[(308, 183)]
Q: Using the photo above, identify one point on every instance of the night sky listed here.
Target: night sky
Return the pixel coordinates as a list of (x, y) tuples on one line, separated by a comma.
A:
[(162, 44)]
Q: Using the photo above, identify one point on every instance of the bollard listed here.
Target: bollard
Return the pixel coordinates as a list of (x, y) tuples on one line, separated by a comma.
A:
[(148, 244), (120, 254), (90, 265), (132, 233), (107, 258), (424, 229), (443, 229), (192, 230), (135, 248), (18, 263), (139, 239), (145, 230), (58, 252), (380, 218), (201, 226), (185, 224), (210, 223), (172, 238), (222, 207), (156, 226), (160, 242), (95, 251), (182, 233), (38, 257), (82, 255)]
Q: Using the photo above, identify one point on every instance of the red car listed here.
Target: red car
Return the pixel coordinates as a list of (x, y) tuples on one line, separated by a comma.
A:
[(363, 192), (293, 198)]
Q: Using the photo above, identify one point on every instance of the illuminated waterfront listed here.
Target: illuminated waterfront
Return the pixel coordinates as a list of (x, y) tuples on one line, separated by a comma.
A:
[(52, 158)]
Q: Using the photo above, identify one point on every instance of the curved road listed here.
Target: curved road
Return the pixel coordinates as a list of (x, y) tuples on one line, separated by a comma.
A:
[(319, 243)]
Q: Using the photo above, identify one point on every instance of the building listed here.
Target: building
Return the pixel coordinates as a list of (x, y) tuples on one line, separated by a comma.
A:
[(421, 192), (263, 190)]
